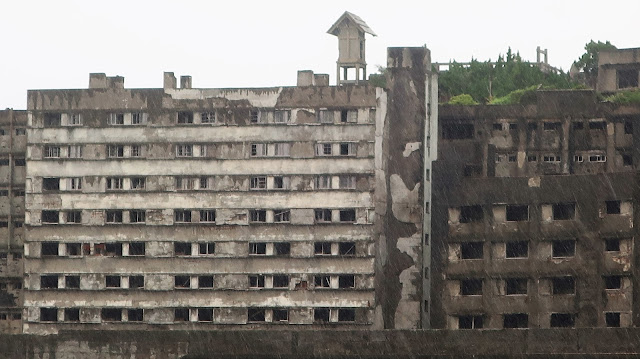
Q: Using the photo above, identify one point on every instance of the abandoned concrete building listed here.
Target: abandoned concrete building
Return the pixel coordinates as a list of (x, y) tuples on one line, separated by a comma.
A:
[(618, 70)]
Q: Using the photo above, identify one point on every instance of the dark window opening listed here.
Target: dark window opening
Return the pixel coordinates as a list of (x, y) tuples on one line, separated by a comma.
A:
[(613, 207), (597, 125), (471, 287), (51, 184), (111, 314), (321, 315), (612, 320), (347, 248), (205, 281), (49, 248), (48, 282), (513, 126), (470, 322), (255, 314), (627, 160), (136, 248), (461, 131), (72, 315), (563, 248), (627, 78), (532, 126), (470, 214), (613, 282), (346, 281), (185, 117), (472, 171), (257, 215), (207, 248), (112, 281), (136, 281), (48, 314), (52, 119), (564, 211), (346, 315), (562, 320), (182, 248), (280, 315), (471, 250), (519, 320), (182, 281), (282, 248), (497, 126), (113, 249), (519, 249), (517, 213), (72, 282), (628, 127), (51, 217), (258, 248), (322, 281), (347, 215), (135, 315), (280, 281), (256, 281), (181, 315), (516, 286), (563, 285), (551, 126), (612, 245), (114, 216), (322, 248), (578, 125)]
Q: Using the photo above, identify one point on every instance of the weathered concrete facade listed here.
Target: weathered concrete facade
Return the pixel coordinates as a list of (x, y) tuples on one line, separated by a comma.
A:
[(618, 70), (534, 210), (13, 142)]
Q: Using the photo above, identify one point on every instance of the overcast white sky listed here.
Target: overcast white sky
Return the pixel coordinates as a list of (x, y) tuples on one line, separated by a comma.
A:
[(56, 44)]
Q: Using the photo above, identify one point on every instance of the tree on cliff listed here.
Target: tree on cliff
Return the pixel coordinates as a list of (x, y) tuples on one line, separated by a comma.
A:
[(588, 62)]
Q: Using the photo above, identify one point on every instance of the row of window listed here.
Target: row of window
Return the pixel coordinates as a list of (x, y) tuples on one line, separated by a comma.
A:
[(18, 162), (10, 286), (254, 315), (519, 286), (518, 213), (256, 281), (205, 216), (115, 249), (258, 116), (264, 149), (10, 316), (18, 131), (521, 320), (520, 249), (186, 183), (627, 159)]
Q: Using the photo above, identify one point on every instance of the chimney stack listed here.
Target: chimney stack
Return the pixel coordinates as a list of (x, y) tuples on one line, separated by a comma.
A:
[(185, 82), (305, 78), (97, 81), (169, 81)]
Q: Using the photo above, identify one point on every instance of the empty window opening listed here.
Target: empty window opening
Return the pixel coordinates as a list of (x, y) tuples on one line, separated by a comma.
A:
[(205, 281), (512, 158), (470, 322), (597, 125), (48, 314), (72, 281), (627, 78), (613, 207), (207, 248), (114, 216), (563, 285), (470, 214), (207, 215), (471, 250), (258, 215), (321, 315), (551, 126), (205, 314), (182, 281), (551, 158), (48, 282), (113, 249), (73, 217), (115, 151), (612, 320), (72, 315), (281, 215), (137, 216), (322, 248), (612, 245), (471, 287), (460, 131), (282, 248), (111, 314), (256, 281), (516, 286), (513, 126), (613, 282), (578, 158), (49, 248), (50, 217), (258, 248), (322, 215), (597, 158), (138, 182), (349, 116), (627, 160), (181, 315), (563, 248), (280, 182), (51, 184), (182, 248), (136, 281), (519, 320), (517, 249), (280, 315), (347, 215), (578, 125), (347, 149), (182, 215), (346, 315), (112, 281), (532, 126), (52, 119), (517, 213), (628, 127), (497, 126), (564, 211), (136, 248), (185, 117), (74, 249), (255, 314), (562, 320), (322, 281), (135, 315), (347, 248), (280, 281), (346, 281)]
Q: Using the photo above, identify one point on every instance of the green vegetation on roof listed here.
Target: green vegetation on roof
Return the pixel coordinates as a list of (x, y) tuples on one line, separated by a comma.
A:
[(522, 96), (624, 97), (463, 99)]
